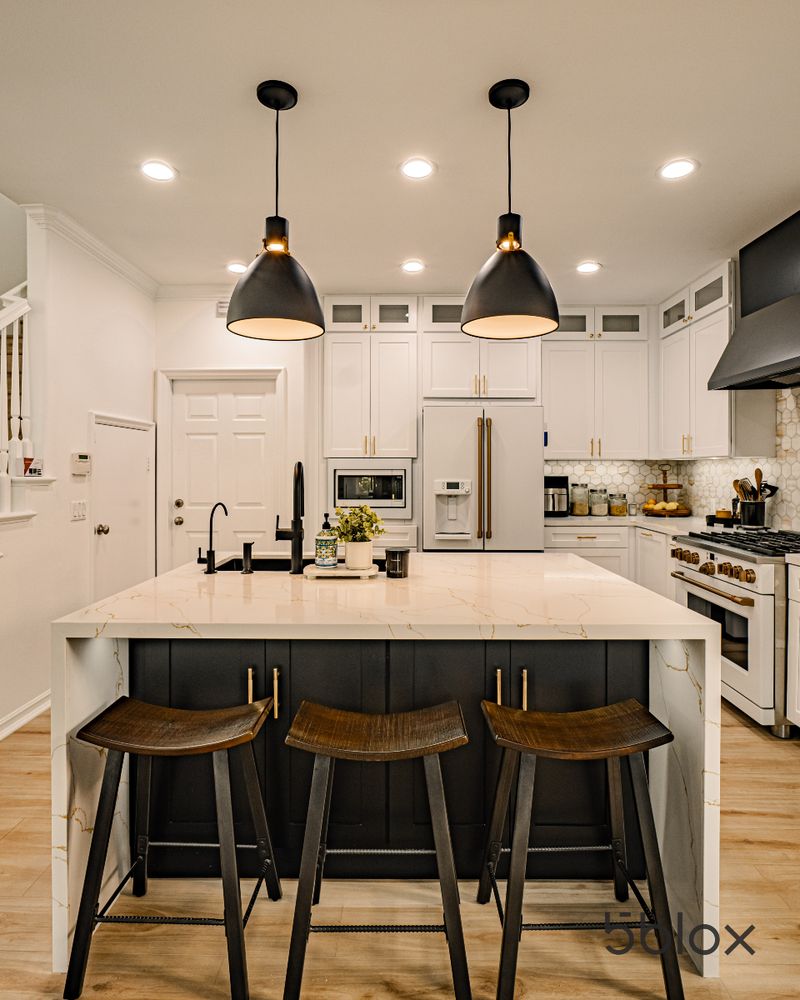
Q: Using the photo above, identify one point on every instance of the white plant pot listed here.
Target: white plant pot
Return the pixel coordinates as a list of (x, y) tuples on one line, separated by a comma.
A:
[(358, 555)]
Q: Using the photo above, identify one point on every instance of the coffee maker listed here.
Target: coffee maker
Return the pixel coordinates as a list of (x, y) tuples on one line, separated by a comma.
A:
[(556, 496)]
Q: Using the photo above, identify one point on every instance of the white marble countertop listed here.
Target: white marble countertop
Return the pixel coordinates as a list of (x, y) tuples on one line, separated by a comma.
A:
[(446, 596)]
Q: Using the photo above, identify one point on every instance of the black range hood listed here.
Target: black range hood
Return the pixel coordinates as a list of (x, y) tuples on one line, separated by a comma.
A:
[(764, 351)]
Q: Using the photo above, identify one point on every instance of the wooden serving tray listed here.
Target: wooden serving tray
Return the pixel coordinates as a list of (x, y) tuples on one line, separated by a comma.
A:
[(680, 512), (313, 572)]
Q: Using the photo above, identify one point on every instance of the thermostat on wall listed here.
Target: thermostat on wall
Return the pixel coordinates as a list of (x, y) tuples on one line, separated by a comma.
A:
[(81, 463)]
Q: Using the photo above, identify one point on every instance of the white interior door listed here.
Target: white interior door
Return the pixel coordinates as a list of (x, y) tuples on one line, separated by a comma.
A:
[(122, 501), (227, 444)]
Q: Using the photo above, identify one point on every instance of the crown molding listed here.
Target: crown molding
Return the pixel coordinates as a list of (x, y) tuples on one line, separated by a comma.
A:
[(55, 221), (194, 293)]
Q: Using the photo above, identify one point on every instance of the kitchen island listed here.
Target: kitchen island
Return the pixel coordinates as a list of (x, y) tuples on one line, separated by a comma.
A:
[(548, 630)]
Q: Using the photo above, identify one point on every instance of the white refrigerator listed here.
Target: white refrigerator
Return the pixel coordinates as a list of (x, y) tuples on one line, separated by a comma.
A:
[(483, 477)]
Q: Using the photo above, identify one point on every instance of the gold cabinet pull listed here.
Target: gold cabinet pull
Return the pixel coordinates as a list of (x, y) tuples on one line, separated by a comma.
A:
[(474, 385), (524, 689), (366, 452), (488, 477), (688, 444), (249, 685), (485, 386), (275, 676), (645, 534), (591, 448), (683, 444), (373, 444), (599, 448), (582, 538), (479, 531), (499, 676)]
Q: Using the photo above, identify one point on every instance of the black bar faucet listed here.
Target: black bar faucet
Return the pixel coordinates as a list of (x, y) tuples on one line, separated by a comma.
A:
[(209, 561), (295, 533)]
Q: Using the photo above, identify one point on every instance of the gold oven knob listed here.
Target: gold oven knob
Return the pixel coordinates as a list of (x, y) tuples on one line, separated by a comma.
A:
[(749, 576), (695, 558), (736, 572), (708, 568), (725, 569)]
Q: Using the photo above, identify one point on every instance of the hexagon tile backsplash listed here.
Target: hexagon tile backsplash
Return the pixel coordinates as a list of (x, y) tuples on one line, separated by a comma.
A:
[(708, 483)]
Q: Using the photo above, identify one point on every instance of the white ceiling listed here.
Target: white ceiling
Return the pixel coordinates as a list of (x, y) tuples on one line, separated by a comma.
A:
[(91, 88)]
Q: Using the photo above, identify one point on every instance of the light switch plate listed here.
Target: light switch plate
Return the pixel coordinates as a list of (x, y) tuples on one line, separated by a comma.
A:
[(78, 510)]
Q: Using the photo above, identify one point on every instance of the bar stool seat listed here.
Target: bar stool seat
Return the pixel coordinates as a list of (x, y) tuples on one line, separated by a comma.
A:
[(133, 726), (594, 734), (360, 736), (146, 731), (332, 734)]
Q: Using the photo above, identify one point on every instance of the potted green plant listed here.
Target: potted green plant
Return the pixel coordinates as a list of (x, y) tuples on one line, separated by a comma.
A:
[(356, 528)]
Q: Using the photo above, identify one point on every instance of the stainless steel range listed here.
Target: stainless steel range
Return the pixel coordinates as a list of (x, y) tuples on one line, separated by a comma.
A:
[(737, 578)]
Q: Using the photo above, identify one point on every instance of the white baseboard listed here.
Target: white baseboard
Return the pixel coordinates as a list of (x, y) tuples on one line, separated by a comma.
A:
[(16, 720)]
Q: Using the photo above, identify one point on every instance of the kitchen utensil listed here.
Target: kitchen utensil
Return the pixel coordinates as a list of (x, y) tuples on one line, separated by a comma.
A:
[(768, 490), (759, 475), (747, 489), (737, 487)]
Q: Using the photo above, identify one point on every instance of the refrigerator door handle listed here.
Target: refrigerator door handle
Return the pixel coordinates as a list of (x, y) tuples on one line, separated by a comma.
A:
[(488, 477), (479, 530)]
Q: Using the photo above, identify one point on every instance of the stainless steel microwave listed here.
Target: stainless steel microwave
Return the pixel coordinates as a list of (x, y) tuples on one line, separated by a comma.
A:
[(385, 486)]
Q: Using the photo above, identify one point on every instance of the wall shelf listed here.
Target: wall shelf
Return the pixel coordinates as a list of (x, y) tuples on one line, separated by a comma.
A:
[(12, 516), (32, 480)]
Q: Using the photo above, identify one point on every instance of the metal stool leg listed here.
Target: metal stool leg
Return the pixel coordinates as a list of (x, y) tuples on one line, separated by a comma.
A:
[(144, 769), (617, 816), (93, 879), (263, 841), (308, 871), (494, 834), (512, 926), (234, 931), (323, 845), (447, 877), (655, 879)]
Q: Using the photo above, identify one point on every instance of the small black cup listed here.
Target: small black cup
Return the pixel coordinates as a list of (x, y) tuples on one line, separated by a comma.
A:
[(752, 513), (396, 563)]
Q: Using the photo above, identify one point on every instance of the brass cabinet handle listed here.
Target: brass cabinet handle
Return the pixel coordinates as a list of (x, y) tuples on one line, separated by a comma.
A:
[(499, 676), (249, 685), (743, 602), (599, 448), (366, 452), (485, 387), (488, 477), (591, 448), (475, 389), (582, 538), (275, 675), (683, 444), (645, 534), (524, 689), (479, 532), (373, 444), (688, 444)]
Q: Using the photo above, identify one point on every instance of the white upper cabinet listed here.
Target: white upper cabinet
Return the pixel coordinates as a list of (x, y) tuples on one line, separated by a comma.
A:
[(621, 399), (568, 398), (575, 323), (345, 313), (393, 391), (370, 395), (384, 313), (442, 313), (455, 366), (620, 323), (346, 395), (674, 398), (711, 409), (672, 313), (709, 293)]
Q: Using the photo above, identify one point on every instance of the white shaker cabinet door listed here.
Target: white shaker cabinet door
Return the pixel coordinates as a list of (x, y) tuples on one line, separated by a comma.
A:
[(711, 420), (394, 395), (568, 398), (510, 368), (793, 666), (621, 399), (347, 397), (450, 366), (674, 403), (651, 561)]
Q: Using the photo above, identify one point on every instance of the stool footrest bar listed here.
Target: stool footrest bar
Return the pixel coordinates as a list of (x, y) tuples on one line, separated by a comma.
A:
[(586, 925), (562, 850), (145, 918), (377, 928), (187, 843), (381, 851)]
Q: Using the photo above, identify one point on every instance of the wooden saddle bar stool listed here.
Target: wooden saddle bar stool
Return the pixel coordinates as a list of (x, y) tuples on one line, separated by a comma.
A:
[(146, 731), (619, 734), (331, 734)]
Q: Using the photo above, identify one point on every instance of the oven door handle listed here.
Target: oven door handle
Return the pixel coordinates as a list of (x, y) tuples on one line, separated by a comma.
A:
[(743, 602)]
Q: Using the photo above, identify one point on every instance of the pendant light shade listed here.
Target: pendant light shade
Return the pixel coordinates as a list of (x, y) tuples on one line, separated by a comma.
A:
[(511, 297), (275, 299)]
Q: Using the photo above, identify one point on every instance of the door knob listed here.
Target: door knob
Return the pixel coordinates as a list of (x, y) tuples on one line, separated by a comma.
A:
[(179, 502), (178, 520), (102, 529)]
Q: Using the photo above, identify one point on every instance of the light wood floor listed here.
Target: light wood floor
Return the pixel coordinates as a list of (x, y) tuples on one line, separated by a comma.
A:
[(760, 885)]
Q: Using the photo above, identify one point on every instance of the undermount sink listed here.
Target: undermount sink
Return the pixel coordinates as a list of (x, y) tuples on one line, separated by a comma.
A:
[(272, 564)]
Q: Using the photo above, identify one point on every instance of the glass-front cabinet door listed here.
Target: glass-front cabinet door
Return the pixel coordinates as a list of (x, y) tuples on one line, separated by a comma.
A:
[(711, 292), (673, 313), (575, 323), (442, 312), (620, 323), (347, 313), (393, 313)]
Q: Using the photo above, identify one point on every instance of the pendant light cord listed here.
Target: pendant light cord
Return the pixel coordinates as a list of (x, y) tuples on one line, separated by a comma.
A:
[(277, 156), (508, 112)]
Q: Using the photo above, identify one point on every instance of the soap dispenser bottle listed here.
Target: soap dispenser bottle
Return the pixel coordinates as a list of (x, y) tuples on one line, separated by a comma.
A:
[(325, 546)]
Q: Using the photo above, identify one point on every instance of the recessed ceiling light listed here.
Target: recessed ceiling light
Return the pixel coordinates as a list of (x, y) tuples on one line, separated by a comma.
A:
[(676, 169), (412, 266), (588, 267), (157, 170), (237, 267), (417, 168)]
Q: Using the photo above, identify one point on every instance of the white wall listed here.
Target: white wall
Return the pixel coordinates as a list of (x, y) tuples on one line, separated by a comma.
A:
[(189, 335), (93, 347), (13, 244)]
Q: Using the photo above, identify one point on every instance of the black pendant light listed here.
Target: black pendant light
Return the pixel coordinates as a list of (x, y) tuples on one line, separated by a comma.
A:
[(274, 299), (510, 297)]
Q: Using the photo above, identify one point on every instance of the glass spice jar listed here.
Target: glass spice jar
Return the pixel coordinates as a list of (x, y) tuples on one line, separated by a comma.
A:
[(579, 500), (618, 504), (598, 502)]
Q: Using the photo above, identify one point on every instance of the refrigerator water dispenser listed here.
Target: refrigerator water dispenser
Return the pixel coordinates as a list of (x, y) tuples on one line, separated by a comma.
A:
[(453, 509)]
